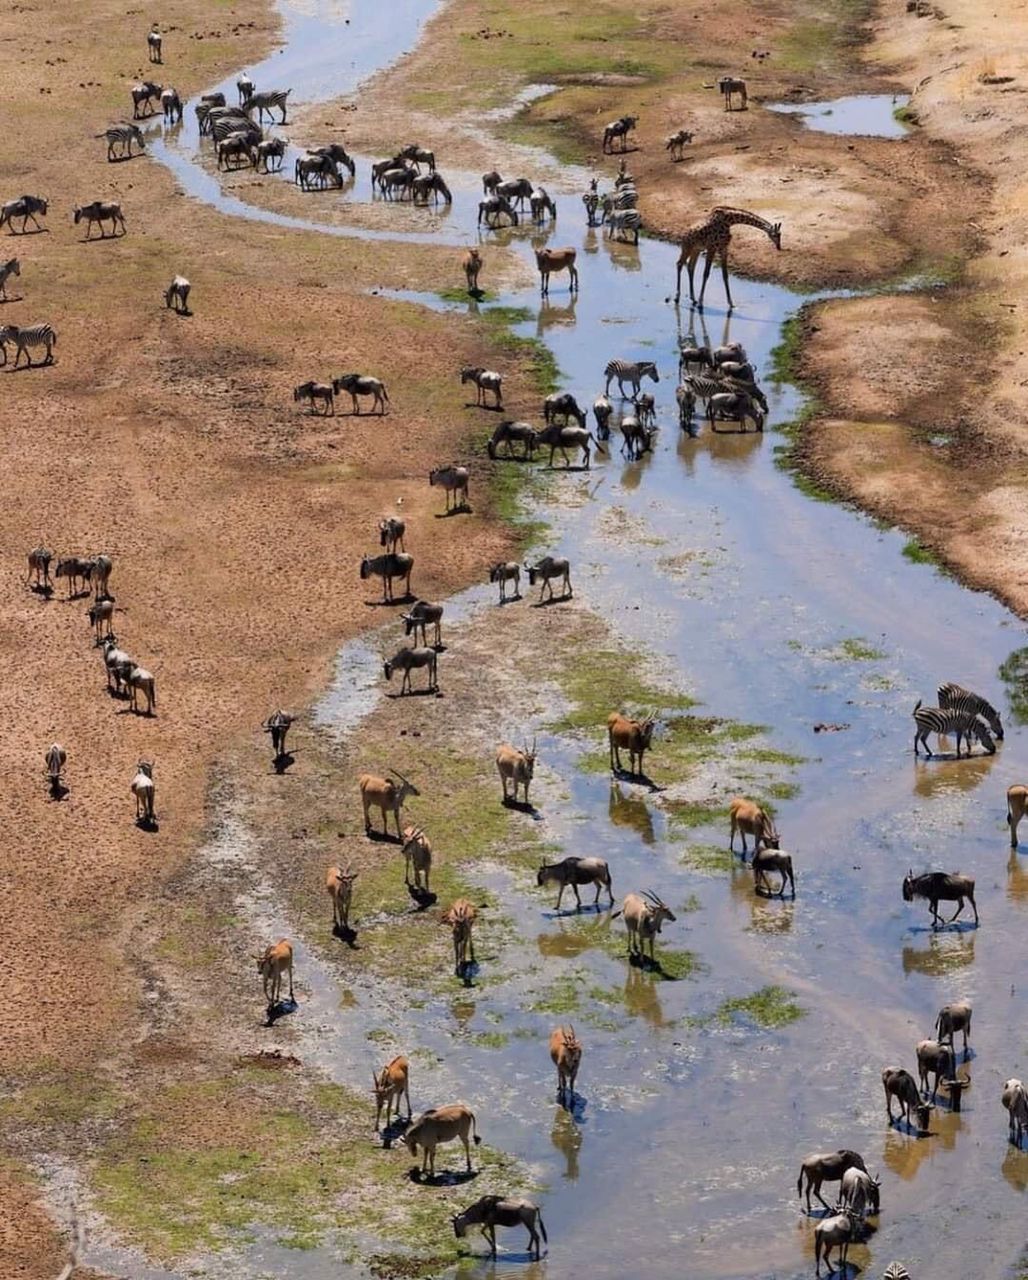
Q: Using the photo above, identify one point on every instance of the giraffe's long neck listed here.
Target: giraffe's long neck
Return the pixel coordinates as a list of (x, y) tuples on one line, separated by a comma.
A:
[(742, 217)]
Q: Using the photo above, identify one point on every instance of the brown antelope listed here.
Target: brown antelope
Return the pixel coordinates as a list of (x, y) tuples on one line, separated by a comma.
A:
[(748, 818), (387, 795), (515, 767), (490, 1212), (1017, 804), (391, 1085), (144, 791), (472, 266), (461, 919), (953, 1018), (441, 1124), (575, 871), (633, 736), (339, 885), (822, 1167), (644, 915), (417, 856), (900, 1084), (276, 961), (765, 860), (553, 262), (566, 1055)]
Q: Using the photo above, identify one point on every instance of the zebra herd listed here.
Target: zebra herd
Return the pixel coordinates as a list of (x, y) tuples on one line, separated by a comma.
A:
[(617, 209)]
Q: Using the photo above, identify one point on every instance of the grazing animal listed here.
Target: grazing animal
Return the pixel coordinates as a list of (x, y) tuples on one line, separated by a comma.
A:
[(245, 88), (278, 725), (748, 818), (39, 567), (955, 697), (25, 337), (574, 872), (386, 795), (1015, 1100), (516, 768), (895, 1271), (24, 207), (362, 384), (633, 736), (934, 1059), (56, 758), (542, 203), (431, 184), (619, 128), (686, 401), (138, 680), (963, 725), (123, 136), (388, 567), (545, 571), (337, 152), (644, 915), (713, 237), (636, 439), (630, 371), (676, 142), (472, 264), (602, 412), (493, 207), (900, 1084), (422, 615), (441, 1124), (309, 170), (145, 96), (861, 1193), (12, 267), (454, 480), (102, 566), (504, 572), (265, 102), (554, 261), (516, 190), (117, 664), (624, 224), (144, 791), (419, 156), (564, 438), (101, 211), (823, 1167), (339, 886), (236, 146), (391, 1086), (408, 660), (178, 293), (101, 615), (490, 1212), (490, 181), (461, 919), (74, 568), (153, 43), (729, 85), (729, 351), (765, 860), (390, 533), (953, 1018), (562, 404), (693, 355), (1017, 803), (484, 380), (276, 961), (591, 200), (417, 857), (646, 408), (507, 432), (315, 393), (938, 886), (734, 406), (566, 1055), (835, 1232)]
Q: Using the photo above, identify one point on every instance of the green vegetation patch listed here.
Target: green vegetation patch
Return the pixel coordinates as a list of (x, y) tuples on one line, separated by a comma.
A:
[(1014, 674), (711, 859), (855, 649), (771, 1007), (917, 553)]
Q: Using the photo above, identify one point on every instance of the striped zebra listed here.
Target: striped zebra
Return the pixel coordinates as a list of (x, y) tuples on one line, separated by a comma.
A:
[(957, 698), (12, 267), (24, 207), (225, 126), (962, 725), (26, 336), (624, 222), (629, 371), (264, 101), (626, 198), (122, 135)]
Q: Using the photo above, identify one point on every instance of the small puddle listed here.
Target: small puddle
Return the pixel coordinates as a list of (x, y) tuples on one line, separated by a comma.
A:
[(869, 115)]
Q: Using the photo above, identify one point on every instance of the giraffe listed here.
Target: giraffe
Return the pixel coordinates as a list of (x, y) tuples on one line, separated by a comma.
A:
[(712, 237)]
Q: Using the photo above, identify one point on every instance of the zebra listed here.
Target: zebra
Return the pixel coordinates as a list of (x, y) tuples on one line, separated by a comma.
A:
[(171, 105), (100, 211), (225, 126), (261, 102), (619, 128), (24, 337), (626, 198), (24, 207), (591, 201), (153, 44), (144, 95), (178, 292), (959, 724), (245, 87), (629, 371), (954, 697), (125, 135), (12, 267), (624, 222)]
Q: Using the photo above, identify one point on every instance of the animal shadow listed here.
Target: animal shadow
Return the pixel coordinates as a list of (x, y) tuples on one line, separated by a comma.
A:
[(651, 966), (451, 1178), (396, 1128), (381, 837), (640, 779), (150, 825), (281, 1010), (38, 589), (345, 934), (545, 604), (409, 598), (36, 231), (467, 972), (58, 790), (465, 509), (282, 762), (19, 298), (423, 898), (520, 806)]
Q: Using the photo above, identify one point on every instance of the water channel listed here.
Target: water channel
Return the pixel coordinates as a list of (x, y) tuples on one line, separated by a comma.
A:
[(686, 1149)]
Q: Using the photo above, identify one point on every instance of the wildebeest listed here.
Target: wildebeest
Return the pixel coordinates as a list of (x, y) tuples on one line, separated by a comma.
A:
[(337, 152), (602, 412), (676, 142), (391, 1086), (566, 437), (75, 569), (39, 568), (101, 211), (441, 1124), (431, 184), (633, 736), (644, 916), (619, 128), (278, 725), (144, 791), (117, 663), (953, 1018), (734, 406), (504, 572), (315, 392), (392, 565), (387, 795), (269, 149), (461, 916), (861, 1193), (566, 1055), (545, 570), (507, 432), (407, 660), (515, 768), (454, 480), (492, 207), (417, 858), (271, 965), (177, 295), (362, 384), (24, 207), (552, 262), (1015, 1099), (541, 203), (562, 404), (1017, 804), (829, 1166), (145, 95), (484, 380), (836, 1233), (934, 1059), (421, 616), (390, 533), (636, 439), (574, 872), (748, 818), (900, 1084), (339, 887), (101, 615), (490, 1212), (56, 758), (140, 681), (940, 886), (765, 860)]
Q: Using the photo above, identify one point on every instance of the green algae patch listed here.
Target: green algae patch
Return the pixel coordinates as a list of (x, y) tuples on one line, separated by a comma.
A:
[(770, 1007)]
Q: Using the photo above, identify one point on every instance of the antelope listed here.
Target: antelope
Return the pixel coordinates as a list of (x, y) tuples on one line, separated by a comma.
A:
[(633, 736), (953, 1018), (177, 294), (390, 533), (644, 915), (900, 1084), (339, 886), (56, 758), (101, 615), (548, 568), (566, 1055), (143, 789), (423, 615), (278, 725), (390, 1086), (861, 1193), (934, 1059), (461, 919), (387, 567), (553, 262), (408, 660), (824, 1167), (515, 767), (504, 572), (441, 1124), (938, 886), (39, 568), (1017, 804), (276, 961), (765, 860), (748, 818), (835, 1232), (454, 481), (387, 795), (139, 681), (490, 1212), (575, 871), (1015, 1100), (472, 264), (417, 857)]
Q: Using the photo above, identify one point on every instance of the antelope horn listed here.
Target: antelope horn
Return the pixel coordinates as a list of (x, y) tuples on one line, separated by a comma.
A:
[(399, 775), (533, 743)]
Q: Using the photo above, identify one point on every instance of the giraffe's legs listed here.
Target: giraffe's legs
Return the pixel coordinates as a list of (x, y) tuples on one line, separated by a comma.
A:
[(724, 273), (711, 254)]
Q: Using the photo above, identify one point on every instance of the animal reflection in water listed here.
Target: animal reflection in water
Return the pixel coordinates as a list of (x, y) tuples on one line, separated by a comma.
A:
[(566, 1136), (931, 782), (627, 810), (903, 1152), (642, 996), (941, 954)]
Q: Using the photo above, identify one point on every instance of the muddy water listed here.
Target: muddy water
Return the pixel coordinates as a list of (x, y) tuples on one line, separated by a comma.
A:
[(770, 608)]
